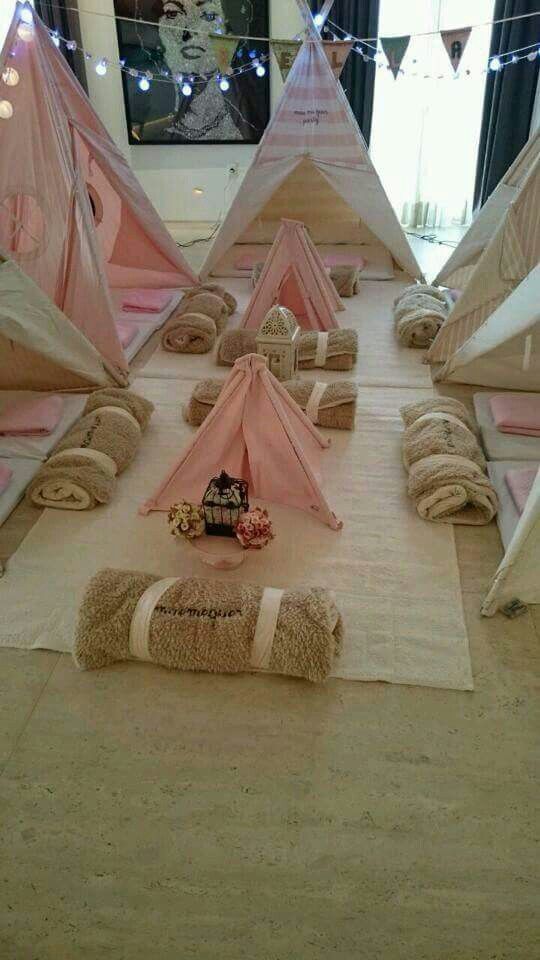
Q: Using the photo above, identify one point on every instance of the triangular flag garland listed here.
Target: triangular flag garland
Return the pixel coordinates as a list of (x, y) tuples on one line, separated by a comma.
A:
[(224, 49), (337, 52), (395, 49), (455, 42), (285, 52)]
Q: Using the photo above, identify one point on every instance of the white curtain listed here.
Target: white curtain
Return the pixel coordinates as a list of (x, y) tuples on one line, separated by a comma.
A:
[(425, 133)]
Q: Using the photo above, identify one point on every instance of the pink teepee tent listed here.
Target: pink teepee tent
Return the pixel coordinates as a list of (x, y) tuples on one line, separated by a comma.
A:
[(257, 432), (72, 215), (294, 276)]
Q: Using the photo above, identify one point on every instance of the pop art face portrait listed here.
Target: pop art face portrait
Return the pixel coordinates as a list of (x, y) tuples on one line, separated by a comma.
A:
[(173, 40)]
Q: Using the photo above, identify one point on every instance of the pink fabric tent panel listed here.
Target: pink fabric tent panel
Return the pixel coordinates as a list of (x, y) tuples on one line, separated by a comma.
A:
[(257, 432), (294, 276)]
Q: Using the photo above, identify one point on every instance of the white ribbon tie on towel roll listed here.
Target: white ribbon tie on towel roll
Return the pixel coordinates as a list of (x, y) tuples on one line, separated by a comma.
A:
[(261, 651), (312, 408), (139, 631), (322, 349)]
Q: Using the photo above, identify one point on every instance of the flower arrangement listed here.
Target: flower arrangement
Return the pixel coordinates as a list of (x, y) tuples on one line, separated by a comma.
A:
[(254, 529), (186, 520)]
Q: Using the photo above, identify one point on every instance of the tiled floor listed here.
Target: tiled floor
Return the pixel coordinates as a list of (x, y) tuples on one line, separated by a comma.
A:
[(148, 814)]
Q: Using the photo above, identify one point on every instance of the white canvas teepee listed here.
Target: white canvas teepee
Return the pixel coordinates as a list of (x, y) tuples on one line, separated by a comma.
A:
[(458, 268), (518, 577), (509, 257), (312, 165), (256, 432), (71, 212), (39, 348), (294, 276), (505, 350)]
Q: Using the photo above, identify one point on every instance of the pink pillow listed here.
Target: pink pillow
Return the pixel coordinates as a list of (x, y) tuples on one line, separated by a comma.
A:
[(519, 483), (5, 477), (126, 332), (516, 413), (247, 261), (36, 417), (344, 260), (146, 301)]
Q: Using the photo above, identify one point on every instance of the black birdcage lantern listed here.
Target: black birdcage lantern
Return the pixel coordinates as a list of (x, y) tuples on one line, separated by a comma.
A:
[(225, 500)]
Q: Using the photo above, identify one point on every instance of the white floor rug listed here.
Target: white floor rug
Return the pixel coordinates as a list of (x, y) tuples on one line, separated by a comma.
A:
[(395, 576)]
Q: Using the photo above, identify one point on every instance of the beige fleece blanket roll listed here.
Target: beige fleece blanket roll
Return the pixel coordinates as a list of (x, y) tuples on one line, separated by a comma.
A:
[(234, 344), (327, 404), (209, 304), (204, 625), (82, 471), (339, 350), (452, 489), (412, 411), (424, 289), (189, 333), (443, 433), (418, 328), (216, 289), (139, 407), (420, 301), (346, 280)]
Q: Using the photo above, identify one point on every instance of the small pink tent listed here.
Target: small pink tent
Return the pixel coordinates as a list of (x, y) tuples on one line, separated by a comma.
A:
[(294, 276), (72, 214), (257, 432)]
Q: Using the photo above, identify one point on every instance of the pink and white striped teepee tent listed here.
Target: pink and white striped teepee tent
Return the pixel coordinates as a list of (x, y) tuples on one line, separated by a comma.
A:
[(311, 165), (294, 276), (72, 214), (257, 432)]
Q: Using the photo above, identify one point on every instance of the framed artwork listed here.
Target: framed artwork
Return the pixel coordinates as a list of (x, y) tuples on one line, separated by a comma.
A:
[(171, 38)]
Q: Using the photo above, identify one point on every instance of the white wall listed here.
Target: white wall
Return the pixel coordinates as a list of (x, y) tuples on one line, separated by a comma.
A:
[(170, 173)]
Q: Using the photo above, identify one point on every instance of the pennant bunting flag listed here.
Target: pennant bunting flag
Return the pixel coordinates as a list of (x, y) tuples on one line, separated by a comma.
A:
[(455, 42), (224, 49), (285, 52), (337, 52), (395, 49)]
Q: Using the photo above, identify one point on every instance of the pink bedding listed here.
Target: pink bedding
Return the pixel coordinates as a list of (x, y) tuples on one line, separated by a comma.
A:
[(34, 417), (126, 332), (344, 260), (248, 260), (516, 413), (519, 483), (5, 477), (146, 301)]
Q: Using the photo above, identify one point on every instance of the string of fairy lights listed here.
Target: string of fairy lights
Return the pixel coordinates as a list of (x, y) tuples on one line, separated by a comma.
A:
[(256, 62)]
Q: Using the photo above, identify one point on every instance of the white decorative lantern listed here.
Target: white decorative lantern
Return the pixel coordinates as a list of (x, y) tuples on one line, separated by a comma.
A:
[(277, 340)]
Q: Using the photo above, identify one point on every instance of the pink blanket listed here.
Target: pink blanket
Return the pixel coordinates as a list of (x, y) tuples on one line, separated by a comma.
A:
[(5, 477), (248, 260), (344, 260), (36, 417), (146, 301), (516, 413), (519, 483), (126, 332)]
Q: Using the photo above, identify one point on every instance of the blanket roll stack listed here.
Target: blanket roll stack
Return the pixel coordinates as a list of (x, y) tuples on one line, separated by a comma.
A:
[(446, 467), (419, 313), (202, 314), (82, 471), (334, 350), (210, 626), (326, 404), (346, 280)]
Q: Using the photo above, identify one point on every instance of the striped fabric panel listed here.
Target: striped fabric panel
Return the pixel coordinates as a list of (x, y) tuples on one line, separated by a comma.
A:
[(335, 118), (452, 335), (513, 265), (527, 220)]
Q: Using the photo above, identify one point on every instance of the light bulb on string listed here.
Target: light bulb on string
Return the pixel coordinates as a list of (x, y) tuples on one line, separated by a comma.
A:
[(495, 64), (532, 55), (71, 45), (55, 39), (144, 84), (515, 59), (27, 15), (318, 19), (224, 84), (187, 89), (101, 68), (260, 71), (10, 77)]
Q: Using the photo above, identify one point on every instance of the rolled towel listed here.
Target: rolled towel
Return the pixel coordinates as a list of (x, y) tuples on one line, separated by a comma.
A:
[(218, 290), (234, 344), (423, 288), (420, 301), (82, 471), (211, 626), (326, 404), (209, 304), (334, 350), (418, 328), (189, 333), (346, 280), (435, 433), (452, 489), (412, 411), (137, 406)]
